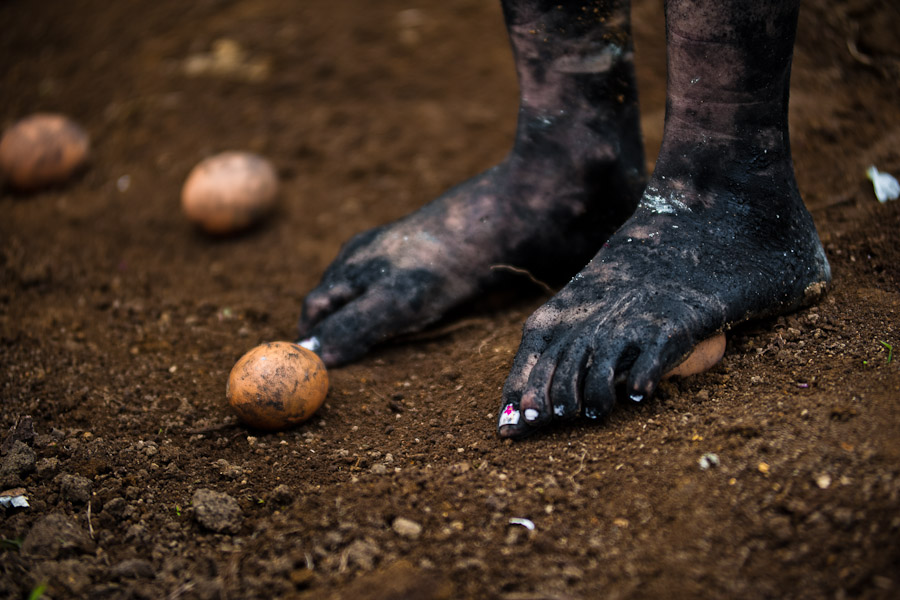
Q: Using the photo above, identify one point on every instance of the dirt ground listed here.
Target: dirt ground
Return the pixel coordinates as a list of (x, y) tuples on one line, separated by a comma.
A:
[(119, 323)]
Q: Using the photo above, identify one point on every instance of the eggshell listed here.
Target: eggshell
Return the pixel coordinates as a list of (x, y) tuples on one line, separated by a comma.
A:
[(703, 357), (229, 192), (42, 150), (277, 385)]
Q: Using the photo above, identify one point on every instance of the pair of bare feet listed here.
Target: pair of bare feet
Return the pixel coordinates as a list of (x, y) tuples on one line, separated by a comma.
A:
[(716, 236)]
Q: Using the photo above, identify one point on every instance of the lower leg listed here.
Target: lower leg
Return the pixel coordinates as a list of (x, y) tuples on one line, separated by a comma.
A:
[(720, 235), (573, 176)]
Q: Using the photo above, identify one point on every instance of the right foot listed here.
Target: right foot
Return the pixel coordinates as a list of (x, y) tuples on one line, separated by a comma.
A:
[(573, 177)]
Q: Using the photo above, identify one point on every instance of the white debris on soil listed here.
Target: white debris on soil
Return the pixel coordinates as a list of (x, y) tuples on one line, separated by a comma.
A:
[(886, 185), (823, 481), (708, 460), (14, 498), (526, 523)]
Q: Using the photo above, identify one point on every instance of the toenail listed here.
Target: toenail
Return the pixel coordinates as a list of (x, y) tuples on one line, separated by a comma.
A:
[(590, 413), (311, 343), (559, 410), (509, 415), (531, 414), (637, 397)]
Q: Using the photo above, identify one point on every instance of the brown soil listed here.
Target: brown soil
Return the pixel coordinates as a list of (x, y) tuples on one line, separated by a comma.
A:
[(119, 324)]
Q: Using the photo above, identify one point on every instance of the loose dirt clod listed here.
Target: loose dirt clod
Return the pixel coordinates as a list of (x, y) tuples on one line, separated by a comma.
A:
[(74, 488), (217, 511), (56, 536), (102, 291), (18, 462)]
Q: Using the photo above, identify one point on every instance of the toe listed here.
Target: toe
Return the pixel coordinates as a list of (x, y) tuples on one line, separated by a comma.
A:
[(511, 421), (535, 404), (321, 302), (644, 374), (599, 386), (348, 333), (567, 388)]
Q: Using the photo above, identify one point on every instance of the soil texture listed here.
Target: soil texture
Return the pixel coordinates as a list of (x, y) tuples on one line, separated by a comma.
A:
[(774, 475)]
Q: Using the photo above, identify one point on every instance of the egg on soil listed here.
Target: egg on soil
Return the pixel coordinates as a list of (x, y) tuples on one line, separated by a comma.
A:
[(277, 385), (702, 358), (229, 192), (42, 150)]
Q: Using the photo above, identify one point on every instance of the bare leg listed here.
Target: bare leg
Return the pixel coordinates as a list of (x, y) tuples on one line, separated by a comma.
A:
[(720, 235), (572, 178)]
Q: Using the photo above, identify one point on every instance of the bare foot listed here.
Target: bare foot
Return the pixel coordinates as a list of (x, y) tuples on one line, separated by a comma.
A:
[(573, 177), (721, 234)]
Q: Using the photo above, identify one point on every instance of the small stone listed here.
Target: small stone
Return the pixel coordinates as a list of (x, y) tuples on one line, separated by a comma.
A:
[(228, 470), (378, 469), (460, 468), (823, 481), (407, 528), (74, 488), (217, 511)]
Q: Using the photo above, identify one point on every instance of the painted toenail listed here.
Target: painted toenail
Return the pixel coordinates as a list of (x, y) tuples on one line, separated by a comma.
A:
[(637, 397), (531, 414), (590, 413), (509, 416), (311, 343), (558, 410)]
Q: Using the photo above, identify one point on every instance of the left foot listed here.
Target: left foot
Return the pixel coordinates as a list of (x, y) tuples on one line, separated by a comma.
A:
[(690, 263), (720, 236)]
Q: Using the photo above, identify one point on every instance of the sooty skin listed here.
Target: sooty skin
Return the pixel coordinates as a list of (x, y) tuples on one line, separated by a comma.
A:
[(574, 174), (720, 235)]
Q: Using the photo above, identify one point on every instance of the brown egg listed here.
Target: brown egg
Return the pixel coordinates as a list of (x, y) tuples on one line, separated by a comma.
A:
[(42, 150), (277, 385), (703, 357), (229, 192)]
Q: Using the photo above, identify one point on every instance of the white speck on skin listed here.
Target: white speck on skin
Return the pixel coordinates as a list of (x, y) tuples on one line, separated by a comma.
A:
[(660, 204)]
